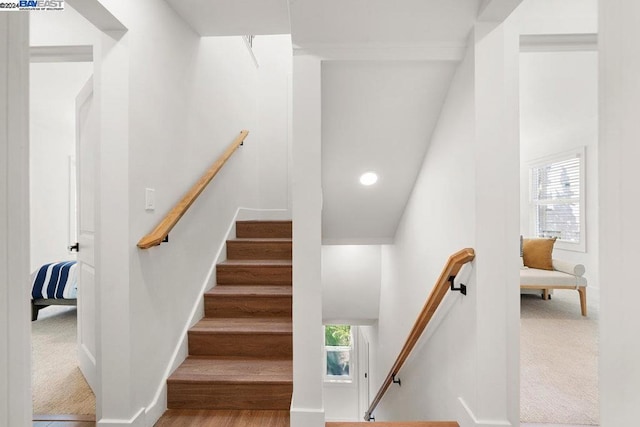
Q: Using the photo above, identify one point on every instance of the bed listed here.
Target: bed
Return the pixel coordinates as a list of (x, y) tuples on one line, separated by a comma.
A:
[(53, 284)]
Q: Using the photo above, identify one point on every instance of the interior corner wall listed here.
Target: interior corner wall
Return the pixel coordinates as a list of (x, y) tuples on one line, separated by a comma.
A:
[(559, 112), (439, 220), (619, 67)]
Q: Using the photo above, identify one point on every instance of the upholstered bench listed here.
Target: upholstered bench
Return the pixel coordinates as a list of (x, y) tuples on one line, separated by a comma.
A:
[(563, 276)]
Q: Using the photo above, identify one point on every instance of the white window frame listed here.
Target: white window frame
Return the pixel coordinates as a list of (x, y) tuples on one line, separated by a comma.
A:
[(339, 379), (579, 152)]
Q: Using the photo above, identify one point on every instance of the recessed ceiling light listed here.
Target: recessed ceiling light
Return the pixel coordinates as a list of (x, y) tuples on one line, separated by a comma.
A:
[(368, 178)]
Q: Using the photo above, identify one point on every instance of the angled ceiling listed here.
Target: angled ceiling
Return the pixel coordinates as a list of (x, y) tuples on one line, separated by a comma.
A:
[(375, 116), (378, 114), (234, 17)]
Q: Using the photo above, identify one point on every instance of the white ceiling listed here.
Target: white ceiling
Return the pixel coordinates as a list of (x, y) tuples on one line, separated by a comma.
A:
[(381, 21), (375, 116), (234, 17)]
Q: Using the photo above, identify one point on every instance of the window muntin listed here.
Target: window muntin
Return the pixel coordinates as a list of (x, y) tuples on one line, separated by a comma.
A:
[(557, 199)]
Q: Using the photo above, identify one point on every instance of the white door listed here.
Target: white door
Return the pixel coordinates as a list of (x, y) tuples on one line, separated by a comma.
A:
[(86, 150), (363, 383)]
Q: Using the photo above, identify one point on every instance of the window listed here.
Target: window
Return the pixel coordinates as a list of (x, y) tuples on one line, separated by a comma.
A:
[(557, 199), (338, 349)]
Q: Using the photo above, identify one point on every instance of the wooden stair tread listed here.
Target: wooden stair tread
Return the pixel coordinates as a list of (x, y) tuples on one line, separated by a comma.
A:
[(233, 371), (264, 325), (227, 418), (395, 424), (257, 263), (264, 229), (250, 290), (261, 239)]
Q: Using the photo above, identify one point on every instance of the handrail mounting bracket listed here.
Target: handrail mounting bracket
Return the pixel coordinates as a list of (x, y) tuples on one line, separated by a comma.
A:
[(462, 289), (396, 380)]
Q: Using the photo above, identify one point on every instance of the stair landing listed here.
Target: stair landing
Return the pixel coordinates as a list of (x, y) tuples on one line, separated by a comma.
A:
[(246, 418), (396, 424), (223, 418)]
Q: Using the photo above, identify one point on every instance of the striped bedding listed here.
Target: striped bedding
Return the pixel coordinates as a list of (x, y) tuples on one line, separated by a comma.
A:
[(55, 281)]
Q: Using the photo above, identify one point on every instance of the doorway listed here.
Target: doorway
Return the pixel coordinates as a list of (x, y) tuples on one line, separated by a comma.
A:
[(59, 387), (559, 199)]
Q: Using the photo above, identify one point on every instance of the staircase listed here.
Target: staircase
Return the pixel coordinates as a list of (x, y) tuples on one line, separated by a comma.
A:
[(240, 353)]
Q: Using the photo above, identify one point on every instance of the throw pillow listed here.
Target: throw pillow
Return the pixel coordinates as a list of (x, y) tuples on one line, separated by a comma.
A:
[(537, 253)]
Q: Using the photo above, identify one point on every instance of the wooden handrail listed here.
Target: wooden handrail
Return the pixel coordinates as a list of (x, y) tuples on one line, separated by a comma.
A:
[(171, 219), (453, 266)]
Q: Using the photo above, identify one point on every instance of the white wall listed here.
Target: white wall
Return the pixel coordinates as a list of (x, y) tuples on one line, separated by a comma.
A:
[(438, 220), (554, 17), (171, 103), (275, 58), (619, 206), (351, 283), (453, 373), (54, 87), (188, 101)]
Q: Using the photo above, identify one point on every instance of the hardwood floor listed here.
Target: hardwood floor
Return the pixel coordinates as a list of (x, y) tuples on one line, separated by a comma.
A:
[(64, 424), (64, 421), (223, 418)]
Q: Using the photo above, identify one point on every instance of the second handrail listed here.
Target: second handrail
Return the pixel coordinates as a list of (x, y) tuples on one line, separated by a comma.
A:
[(453, 266)]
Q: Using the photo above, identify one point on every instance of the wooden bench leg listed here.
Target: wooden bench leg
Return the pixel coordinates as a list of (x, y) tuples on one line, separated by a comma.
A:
[(583, 300), (545, 294), (34, 312)]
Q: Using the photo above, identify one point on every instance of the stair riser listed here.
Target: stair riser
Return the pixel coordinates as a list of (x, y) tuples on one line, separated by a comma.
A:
[(263, 346), (253, 275), (280, 230), (247, 306), (258, 250), (229, 396)]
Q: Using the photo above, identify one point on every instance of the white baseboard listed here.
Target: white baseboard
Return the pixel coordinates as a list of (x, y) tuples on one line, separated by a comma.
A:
[(158, 405), (301, 417), (138, 420), (466, 418)]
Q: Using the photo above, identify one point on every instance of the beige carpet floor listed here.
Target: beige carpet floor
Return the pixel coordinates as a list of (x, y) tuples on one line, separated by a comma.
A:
[(559, 360), (58, 385)]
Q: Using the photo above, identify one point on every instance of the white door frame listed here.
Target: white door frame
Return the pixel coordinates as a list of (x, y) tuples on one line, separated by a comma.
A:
[(15, 329)]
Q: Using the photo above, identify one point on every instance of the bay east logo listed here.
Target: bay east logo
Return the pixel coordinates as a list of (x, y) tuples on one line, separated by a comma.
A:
[(19, 5), (41, 4)]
